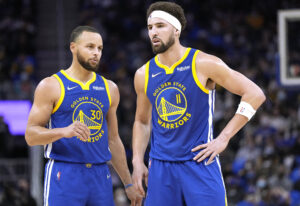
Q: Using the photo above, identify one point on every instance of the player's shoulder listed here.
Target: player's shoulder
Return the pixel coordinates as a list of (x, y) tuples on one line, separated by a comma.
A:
[(113, 91), (204, 57), (140, 72), (48, 88), (48, 83), (139, 78), (112, 86), (209, 63)]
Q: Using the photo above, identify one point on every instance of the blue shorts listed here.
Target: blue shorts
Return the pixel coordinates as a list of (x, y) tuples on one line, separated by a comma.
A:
[(77, 184), (185, 183)]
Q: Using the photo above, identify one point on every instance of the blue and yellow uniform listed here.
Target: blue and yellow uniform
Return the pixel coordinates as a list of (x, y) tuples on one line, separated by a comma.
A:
[(182, 117), (76, 173)]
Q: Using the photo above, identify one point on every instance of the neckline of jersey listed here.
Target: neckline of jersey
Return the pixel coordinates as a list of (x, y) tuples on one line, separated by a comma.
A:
[(170, 70), (85, 86)]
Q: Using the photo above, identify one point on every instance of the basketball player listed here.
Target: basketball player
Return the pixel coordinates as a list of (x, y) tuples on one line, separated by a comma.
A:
[(79, 107), (175, 94)]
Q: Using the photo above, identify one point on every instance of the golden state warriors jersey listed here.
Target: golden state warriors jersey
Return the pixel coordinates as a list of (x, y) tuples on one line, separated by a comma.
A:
[(182, 108), (87, 103)]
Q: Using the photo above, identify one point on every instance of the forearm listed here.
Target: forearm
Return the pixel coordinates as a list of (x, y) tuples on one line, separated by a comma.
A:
[(37, 135), (233, 126), (140, 140), (255, 99), (119, 161)]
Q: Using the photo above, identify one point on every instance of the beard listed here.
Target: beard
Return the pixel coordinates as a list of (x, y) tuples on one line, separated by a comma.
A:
[(86, 64), (164, 46)]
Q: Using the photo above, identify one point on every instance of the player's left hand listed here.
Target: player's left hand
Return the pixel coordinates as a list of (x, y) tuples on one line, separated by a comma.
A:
[(134, 196), (212, 149)]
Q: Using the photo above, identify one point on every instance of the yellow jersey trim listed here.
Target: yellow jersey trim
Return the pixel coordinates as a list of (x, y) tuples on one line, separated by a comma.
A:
[(146, 76), (107, 90), (195, 74), (170, 70), (62, 93), (85, 86)]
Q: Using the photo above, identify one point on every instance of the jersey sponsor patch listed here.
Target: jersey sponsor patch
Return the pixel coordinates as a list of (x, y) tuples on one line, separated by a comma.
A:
[(181, 69), (98, 88)]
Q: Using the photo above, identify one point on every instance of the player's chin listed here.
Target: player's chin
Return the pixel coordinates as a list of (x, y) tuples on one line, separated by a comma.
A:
[(93, 68), (156, 47)]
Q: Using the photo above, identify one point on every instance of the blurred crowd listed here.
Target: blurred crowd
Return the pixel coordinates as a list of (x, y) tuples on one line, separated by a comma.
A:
[(261, 166), (17, 81), (17, 61)]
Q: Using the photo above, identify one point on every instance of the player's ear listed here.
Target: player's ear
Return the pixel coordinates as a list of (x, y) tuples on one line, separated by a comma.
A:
[(177, 33), (72, 47)]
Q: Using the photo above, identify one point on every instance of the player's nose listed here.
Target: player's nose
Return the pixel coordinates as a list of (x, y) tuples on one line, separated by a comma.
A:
[(153, 32), (96, 53)]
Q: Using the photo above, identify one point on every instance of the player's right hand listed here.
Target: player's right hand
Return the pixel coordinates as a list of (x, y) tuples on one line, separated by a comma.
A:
[(77, 129), (140, 173), (134, 195)]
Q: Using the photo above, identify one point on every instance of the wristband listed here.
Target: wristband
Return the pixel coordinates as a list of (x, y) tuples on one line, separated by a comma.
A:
[(246, 110), (128, 185)]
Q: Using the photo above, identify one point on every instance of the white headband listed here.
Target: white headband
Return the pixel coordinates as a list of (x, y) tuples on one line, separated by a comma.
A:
[(166, 16)]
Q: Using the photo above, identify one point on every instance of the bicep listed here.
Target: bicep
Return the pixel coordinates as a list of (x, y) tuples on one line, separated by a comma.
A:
[(234, 82), (143, 105), (143, 108), (111, 116), (42, 107), (231, 80), (112, 123)]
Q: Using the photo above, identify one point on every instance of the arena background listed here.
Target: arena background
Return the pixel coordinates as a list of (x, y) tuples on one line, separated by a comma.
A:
[(261, 166)]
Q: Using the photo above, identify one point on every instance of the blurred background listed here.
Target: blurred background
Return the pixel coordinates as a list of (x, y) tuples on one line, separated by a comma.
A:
[(261, 165)]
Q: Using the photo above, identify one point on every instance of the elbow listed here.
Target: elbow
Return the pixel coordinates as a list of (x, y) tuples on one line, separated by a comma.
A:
[(261, 97), (28, 139), (143, 123), (258, 98)]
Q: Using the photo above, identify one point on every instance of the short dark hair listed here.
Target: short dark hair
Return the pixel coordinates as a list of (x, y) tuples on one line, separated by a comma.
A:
[(79, 30), (171, 8)]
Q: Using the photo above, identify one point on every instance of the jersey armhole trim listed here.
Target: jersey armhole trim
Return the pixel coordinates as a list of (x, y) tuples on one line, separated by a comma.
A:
[(195, 74), (107, 90), (62, 93), (146, 76)]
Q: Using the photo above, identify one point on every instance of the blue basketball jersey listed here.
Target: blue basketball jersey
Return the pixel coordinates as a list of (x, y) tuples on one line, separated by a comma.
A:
[(87, 103), (182, 108)]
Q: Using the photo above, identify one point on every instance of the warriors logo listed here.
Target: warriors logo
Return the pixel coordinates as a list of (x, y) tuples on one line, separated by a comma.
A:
[(171, 107), (91, 115), (171, 104)]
